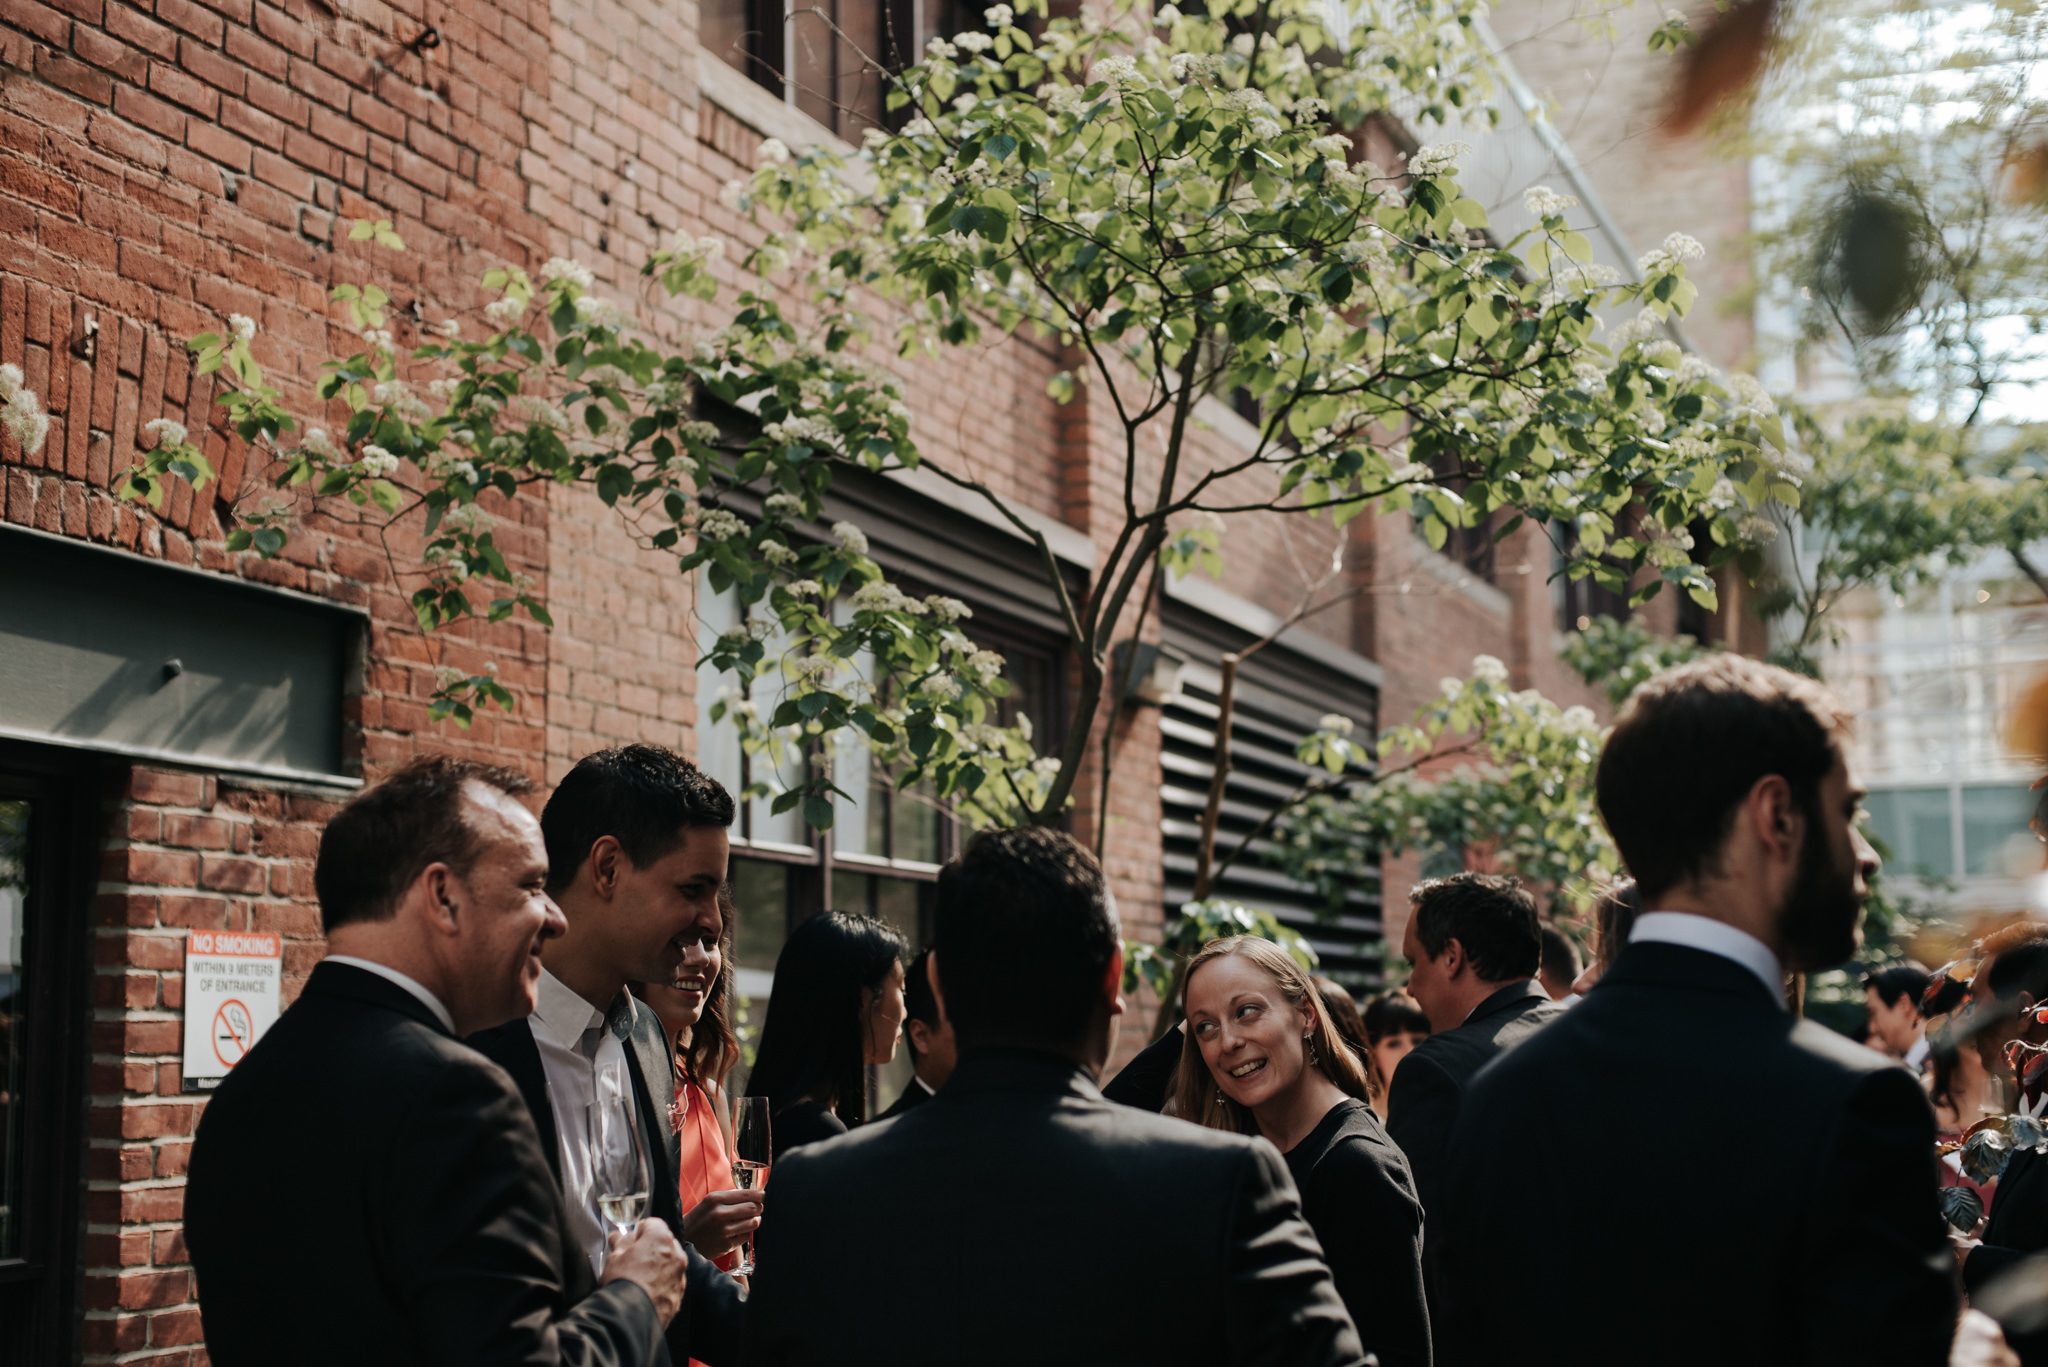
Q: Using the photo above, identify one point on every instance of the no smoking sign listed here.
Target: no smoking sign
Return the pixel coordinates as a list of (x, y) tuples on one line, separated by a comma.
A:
[(232, 982)]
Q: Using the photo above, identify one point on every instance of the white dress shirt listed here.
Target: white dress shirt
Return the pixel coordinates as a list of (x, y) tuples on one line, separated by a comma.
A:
[(1916, 1057), (1715, 937), (389, 974), (576, 1050)]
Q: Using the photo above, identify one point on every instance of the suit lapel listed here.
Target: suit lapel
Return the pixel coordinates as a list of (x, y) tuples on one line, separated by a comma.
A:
[(647, 1057), (522, 1061)]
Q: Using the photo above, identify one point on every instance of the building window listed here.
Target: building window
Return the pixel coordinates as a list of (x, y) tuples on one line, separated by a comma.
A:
[(1579, 601), (830, 58), (886, 845)]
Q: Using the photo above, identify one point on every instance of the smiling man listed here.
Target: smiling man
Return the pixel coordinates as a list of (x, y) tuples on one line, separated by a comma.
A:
[(440, 1235), (636, 852), (1740, 1185)]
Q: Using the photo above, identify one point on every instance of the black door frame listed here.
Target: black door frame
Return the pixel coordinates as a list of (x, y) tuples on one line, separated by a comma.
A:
[(41, 1291)]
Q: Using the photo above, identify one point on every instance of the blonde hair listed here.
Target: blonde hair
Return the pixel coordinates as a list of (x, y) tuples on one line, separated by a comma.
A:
[(1196, 1096)]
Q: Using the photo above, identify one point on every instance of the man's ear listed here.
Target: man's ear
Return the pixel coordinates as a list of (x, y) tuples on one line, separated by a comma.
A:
[(1113, 982), (607, 863), (1453, 960), (443, 899), (1775, 817), (920, 1036)]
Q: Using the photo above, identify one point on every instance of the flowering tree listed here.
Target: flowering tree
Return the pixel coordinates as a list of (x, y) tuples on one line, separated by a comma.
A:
[(1523, 792), (1175, 199)]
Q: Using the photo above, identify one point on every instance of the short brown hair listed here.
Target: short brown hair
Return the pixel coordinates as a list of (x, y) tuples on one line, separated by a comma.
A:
[(387, 836), (1692, 743), (1491, 914)]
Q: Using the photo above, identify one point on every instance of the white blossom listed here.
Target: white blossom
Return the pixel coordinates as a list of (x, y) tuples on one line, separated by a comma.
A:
[(535, 409), (973, 41), (719, 524), (1115, 70), (1450, 688), (1747, 395), (703, 433), (565, 268), (773, 151), (884, 597), (11, 381), (801, 431), (1060, 99), (447, 676), (1693, 368), (998, 16), (1578, 718), (23, 416), (1333, 146), (467, 517), (939, 50), (379, 338), (985, 665), (816, 670), (733, 195), (1336, 723), (504, 310), (377, 462), (1194, 67), (1542, 201), (948, 610), (1166, 14), (1489, 669), (1438, 158), (167, 432), (782, 505), (320, 444), (244, 327), (599, 312), (850, 538), (450, 329), (777, 554), (806, 588)]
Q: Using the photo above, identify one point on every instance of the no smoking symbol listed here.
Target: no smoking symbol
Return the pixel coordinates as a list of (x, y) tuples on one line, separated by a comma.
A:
[(232, 1031)]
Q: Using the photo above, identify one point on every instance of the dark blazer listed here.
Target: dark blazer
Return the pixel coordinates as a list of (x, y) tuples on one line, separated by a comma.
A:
[(1422, 1105), (1712, 1179), (436, 1233), (714, 1307), (2017, 1229), (802, 1122), (914, 1096), (1040, 1224), (1358, 1196)]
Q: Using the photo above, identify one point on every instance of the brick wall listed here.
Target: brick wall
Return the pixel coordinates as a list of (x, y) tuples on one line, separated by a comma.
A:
[(184, 851)]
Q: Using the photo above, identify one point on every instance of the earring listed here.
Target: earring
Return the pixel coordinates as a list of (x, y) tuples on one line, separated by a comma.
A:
[(1313, 1059)]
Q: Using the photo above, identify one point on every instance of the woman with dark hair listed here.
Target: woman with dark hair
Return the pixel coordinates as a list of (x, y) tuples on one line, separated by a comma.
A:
[(1394, 1025), (696, 1013), (1262, 1055), (837, 1007)]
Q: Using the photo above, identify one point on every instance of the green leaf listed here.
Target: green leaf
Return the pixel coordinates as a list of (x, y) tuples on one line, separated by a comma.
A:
[(818, 812)]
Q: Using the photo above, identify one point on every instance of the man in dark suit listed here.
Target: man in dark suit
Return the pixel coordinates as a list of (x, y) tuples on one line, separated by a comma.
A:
[(439, 1234), (637, 853), (929, 1036), (2011, 980), (1474, 945), (1729, 1183), (1043, 1223)]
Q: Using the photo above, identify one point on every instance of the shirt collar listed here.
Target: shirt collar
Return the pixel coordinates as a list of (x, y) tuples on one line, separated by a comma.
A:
[(559, 1014), (389, 974), (1717, 938), (929, 1090)]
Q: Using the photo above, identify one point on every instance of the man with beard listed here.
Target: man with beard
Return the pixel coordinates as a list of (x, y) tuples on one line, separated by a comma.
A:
[(1728, 1183)]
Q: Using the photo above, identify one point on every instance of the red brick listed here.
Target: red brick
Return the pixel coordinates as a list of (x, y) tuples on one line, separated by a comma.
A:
[(152, 1205), (155, 1120), (130, 26), (74, 76), (171, 1327), (212, 66), (144, 1290), (167, 787), (196, 20), (283, 30), (150, 112), (339, 131), (37, 20), (180, 88), (109, 1335), (211, 141), (377, 116), (111, 56), (253, 124)]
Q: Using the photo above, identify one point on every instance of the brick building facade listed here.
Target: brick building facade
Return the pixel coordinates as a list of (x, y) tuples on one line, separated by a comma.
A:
[(166, 162)]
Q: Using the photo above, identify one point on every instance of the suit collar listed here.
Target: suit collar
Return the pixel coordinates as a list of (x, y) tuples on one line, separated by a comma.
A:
[(991, 1070), (347, 982), (1657, 964), (1515, 998)]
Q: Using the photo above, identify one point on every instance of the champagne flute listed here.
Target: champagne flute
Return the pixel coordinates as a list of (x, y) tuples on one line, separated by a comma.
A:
[(751, 1155), (618, 1158)]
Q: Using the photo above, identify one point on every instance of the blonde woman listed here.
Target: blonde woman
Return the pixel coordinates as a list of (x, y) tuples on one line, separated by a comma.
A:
[(1262, 1055)]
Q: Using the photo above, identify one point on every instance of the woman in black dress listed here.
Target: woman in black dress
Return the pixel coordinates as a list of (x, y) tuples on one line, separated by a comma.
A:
[(1261, 1055), (837, 1007)]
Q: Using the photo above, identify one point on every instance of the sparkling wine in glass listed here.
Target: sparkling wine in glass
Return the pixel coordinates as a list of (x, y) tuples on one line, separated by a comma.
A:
[(752, 1152), (618, 1159)]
